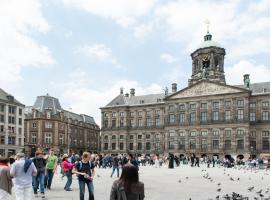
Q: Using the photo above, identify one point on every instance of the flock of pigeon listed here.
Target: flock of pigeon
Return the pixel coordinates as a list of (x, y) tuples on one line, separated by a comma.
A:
[(255, 193)]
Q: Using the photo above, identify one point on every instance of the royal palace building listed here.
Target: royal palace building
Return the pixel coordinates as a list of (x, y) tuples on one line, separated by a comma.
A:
[(11, 124), (208, 117), (47, 126)]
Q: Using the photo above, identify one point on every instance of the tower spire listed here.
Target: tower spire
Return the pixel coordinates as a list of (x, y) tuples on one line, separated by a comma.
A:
[(208, 36)]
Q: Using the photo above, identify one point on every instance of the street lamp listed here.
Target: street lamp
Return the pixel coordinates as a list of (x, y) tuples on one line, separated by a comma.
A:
[(68, 132)]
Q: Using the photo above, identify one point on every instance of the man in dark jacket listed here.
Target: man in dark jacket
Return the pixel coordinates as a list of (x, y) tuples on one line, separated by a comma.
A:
[(115, 165)]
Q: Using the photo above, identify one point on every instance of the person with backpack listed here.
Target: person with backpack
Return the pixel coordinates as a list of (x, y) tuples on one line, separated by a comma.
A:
[(128, 187), (85, 169), (22, 170), (115, 165), (67, 171), (38, 180)]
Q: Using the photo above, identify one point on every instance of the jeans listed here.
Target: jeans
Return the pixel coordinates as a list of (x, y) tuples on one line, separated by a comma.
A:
[(48, 178), (69, 180), (23, 193), (38, 182), (90, 187), (117, 170)]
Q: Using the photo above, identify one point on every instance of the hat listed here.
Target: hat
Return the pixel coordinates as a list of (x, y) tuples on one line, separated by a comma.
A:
[(64, 156)]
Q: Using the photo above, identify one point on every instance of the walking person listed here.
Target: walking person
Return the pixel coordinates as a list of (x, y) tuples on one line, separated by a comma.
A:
[(115, 165), (67, 171), (51, 167), (128, 187), (22, 170), (6, 182), (38, 180), (85, 169)]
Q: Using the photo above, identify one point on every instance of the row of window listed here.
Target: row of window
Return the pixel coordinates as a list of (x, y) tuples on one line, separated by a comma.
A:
[(11, 109), (11, 140), (11, 119), (191, 145), (132, 114)]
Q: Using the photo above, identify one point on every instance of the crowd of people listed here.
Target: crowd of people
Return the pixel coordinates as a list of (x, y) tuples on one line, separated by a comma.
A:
[(35, 175)]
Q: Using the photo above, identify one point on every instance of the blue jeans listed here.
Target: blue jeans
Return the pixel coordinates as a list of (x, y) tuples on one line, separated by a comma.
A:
[(48, 178), (90, 187), (69, 180), (117, 170), (38, 182)]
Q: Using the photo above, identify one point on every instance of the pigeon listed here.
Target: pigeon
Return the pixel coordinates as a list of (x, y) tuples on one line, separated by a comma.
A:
[(187, 177), (259, 192), (219, 189), (219, 184), (217, 197), (250, 188), (238, 179), (231, 179), (98, 176), (179, 181)]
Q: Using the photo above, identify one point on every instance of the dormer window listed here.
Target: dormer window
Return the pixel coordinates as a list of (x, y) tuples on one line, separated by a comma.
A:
[(48, 115)]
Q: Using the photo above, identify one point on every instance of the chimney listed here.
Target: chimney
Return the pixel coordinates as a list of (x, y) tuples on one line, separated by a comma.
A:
[(132, 92), (246, 80), (121, 90), (174, 87), (127, 95), (264, 90)]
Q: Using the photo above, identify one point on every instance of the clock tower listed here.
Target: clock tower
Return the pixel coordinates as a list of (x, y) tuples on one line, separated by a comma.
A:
[(208, 62)]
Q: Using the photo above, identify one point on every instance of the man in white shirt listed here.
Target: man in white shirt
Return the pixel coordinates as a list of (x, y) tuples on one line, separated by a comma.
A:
[(22, 171)]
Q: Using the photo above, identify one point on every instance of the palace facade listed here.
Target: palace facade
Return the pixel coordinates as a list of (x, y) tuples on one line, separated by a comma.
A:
[(208, 117), (47, 125)]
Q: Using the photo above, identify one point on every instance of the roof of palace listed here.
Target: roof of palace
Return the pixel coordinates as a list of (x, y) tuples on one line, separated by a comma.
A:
[(48, 102), (122, 100), (8, 97)]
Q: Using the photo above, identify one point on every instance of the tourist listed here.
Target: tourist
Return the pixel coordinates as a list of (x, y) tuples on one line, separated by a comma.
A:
[(67, 171), (133, 161), (22, 170), (50, 168), (115, 165), (5, 183), (128, 186), (38, 180), (85, 171)]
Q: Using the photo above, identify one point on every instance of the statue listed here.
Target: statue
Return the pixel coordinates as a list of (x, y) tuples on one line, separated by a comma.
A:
[(204, 73), (166, 90), (246, 80)]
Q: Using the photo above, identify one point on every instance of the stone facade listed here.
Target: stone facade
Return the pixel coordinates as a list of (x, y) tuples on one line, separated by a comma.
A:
[(47, 125), (11, 125), (209, 117)]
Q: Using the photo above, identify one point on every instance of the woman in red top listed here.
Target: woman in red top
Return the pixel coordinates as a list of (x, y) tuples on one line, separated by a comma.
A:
[(67, 168)]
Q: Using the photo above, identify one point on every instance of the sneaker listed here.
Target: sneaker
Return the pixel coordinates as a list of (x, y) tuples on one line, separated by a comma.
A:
[(42, 195), (69, 190)]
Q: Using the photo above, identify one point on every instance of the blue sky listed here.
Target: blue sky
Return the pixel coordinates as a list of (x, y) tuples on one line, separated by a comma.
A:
[(83, 51)]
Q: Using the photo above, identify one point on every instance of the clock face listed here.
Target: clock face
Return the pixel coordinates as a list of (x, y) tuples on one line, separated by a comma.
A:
[(205, 57)]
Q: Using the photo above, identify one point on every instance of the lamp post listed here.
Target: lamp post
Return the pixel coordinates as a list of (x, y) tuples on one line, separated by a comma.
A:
[(68, 132)]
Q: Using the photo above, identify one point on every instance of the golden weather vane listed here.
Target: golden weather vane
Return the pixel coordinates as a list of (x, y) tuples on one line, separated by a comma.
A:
[(207, 22)]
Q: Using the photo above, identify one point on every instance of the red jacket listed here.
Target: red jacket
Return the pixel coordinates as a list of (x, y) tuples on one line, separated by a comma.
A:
[(67, 166)]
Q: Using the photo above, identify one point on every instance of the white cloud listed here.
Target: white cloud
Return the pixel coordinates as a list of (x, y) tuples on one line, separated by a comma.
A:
[(142, 30), (17, 50), (232, 24), (100, 53), (123, 12), (84, 99), (168, 58), (258, 72)]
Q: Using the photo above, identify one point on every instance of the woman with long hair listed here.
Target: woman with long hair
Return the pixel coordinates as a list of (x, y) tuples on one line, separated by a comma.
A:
[(5, 183), (128, 187)]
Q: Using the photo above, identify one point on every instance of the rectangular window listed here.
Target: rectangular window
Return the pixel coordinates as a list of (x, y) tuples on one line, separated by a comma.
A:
[(1, 128), (106, 123), (240, 114), (2, 118), (215, 115), (171, 108), (265, 104), (20, 111), (192, 144), (265, 115), (253, 134), (2, 107), (139, 113), (182, 107), (171, 144), (204, 105), (265, 144), (121, 137), (147, 136), (106, 146), (122, 114), (227, 144), (148, 146), (113, 123), (171, 119), (140, 122), (139, 146), (157, 112), (130, 146), (215, 104), (61, 139), (132, 123), (48, 125), (252, 145), (192, 133), (11, 109), (227, 133), (2, 139), (203, 133), (11, 120), (240, 103), (204, 144), (148, 121), (122, 122), (113, 137), (20, 121), (34, 125), (182, 134), (131, 137), (182, 144), (192, 106), (215, 133), (192, 116), (252, 116), (113, 146), (203, 116), (11, 140), (48, 115), (121, 145), (148, 113), (48, 138), (215, 144), (131, 114), (182, 117), (227, 104), (227, 115), (114, 114), (252, 105), (240, 132), (265, 134), (139, 137), (157, 121), (240, 144)]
